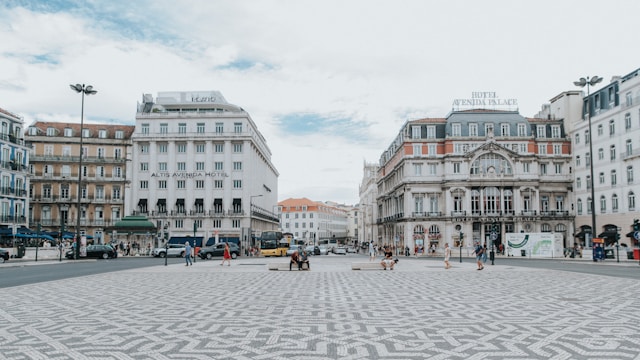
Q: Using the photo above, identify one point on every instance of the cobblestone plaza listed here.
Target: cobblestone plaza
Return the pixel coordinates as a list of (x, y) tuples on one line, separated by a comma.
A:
[(417, 311)]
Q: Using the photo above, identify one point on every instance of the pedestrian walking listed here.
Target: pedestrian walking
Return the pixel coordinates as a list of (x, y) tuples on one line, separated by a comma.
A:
[(478, 251), (447, 255), (226, 256), (187, 253), (372, 252)]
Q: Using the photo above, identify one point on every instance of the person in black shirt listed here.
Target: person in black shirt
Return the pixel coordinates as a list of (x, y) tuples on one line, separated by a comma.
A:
[(388, 261)]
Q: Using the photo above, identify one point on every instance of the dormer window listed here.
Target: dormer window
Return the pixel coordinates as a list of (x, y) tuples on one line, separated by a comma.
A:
[(33, 131), (68, 132), (51, 131), (102, 134)]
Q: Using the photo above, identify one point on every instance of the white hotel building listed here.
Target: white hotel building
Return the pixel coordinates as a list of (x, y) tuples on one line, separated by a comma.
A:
[(200, 167)]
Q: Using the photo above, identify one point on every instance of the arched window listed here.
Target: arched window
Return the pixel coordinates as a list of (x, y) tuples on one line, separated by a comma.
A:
[(491, 200), (579, 206), (603, 204), (475, 201), (614, 203), (545, 228), (631, 199), (491, 164), (561, 228), (508, 201)]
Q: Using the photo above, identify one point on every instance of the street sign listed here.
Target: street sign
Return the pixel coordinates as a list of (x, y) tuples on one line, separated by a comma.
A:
[(636, 235)]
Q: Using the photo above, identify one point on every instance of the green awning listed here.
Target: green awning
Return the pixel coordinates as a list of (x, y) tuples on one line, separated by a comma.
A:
[(134, 225)]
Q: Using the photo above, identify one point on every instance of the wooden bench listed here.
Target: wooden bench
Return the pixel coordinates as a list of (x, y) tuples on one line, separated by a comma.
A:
[(285, 266), (372, 265)]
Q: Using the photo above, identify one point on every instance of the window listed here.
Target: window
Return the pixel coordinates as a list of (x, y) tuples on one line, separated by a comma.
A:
[(588, 178), (627, 121), (218, 165), (603, 204), (432, 169), (612, 152), (100, 153), (144, 166), (237, 148), (237, 165), (543, 169), (182, 128), (200, 166), (577, 139), (115, 192), (578, 183), (182, 166), (578, 160), (162, 148), (100, 171), (119, 134), (144, 184), (219, 128), (488, 129), (600, 130), (237, 127), (217, 184), (200, 128), (542, 149), (162, 166), (417, 149), (558, 168), (199, 184), (144, 128), (431, 148), (473, 129), (415, 132), (181, 184), (144, 148), (431, 132), (504, 129), (200, 148), (557, 149), (417, 169), (164, 128), (629, 147), (456, 168), (162, 184), (586, 137), (631, 199), (526, 167), (68, 132), (587, 159), (117, 153), (102, 134), (219, 148), (541, 131), (66, 150), (237, 184), (579, 206), (555, 131), (614, 203), (456, 130), (600, 154), (630, 174), (628, 98), (181, 148), (522, 130), (614, 178), (612, 127), (117, 172), (601, 178)]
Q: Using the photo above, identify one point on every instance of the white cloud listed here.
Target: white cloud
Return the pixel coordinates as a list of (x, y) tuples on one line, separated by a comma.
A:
[(377, 63)]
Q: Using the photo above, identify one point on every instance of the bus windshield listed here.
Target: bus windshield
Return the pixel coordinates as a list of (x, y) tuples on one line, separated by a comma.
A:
[(268, 244)]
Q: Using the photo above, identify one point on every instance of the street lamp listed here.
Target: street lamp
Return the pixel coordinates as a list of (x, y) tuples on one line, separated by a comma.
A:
[(249, 240), (84, 90), (581, 83)]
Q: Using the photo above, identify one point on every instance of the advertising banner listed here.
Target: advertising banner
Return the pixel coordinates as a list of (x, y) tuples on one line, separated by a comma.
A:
[(541, 245)]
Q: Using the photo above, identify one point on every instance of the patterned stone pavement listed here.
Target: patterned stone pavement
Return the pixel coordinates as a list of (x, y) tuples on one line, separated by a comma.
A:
[(418, 311)]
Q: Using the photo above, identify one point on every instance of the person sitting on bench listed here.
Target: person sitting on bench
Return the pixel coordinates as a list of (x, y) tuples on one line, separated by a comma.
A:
[(303, 259), (388, 261), (295, 259)]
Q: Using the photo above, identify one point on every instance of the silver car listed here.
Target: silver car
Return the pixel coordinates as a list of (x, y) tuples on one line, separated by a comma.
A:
[(176, 250), (293, 248)]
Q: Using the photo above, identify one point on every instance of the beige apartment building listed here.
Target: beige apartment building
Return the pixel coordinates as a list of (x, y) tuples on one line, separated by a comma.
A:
[(54, 166)]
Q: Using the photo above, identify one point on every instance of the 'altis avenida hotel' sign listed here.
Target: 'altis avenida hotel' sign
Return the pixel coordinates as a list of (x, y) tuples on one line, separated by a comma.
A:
[(485, 100)]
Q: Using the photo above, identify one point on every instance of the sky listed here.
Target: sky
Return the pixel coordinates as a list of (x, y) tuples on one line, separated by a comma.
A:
[(328, 83)]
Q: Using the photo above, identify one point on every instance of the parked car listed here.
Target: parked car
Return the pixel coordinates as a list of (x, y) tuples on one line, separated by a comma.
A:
[(176, 250), (323, 250), (340, 250), (4, 254), (351, 249), (95, 252), (293, 248), (218, 250), (312, 250)]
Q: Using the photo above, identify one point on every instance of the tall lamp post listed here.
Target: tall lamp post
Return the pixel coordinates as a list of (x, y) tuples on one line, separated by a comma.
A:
[(84, 90), (250, 238), (588, 82)]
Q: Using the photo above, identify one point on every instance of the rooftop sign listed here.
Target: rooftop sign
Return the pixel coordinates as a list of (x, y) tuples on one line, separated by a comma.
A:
[(485, 100)]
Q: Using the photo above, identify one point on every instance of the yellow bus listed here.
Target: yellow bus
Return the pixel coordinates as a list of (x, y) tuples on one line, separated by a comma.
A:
[(272, 243)]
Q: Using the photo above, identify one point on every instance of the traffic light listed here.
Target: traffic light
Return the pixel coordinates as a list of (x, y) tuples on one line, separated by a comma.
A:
[(636, 225), (617, 236)]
